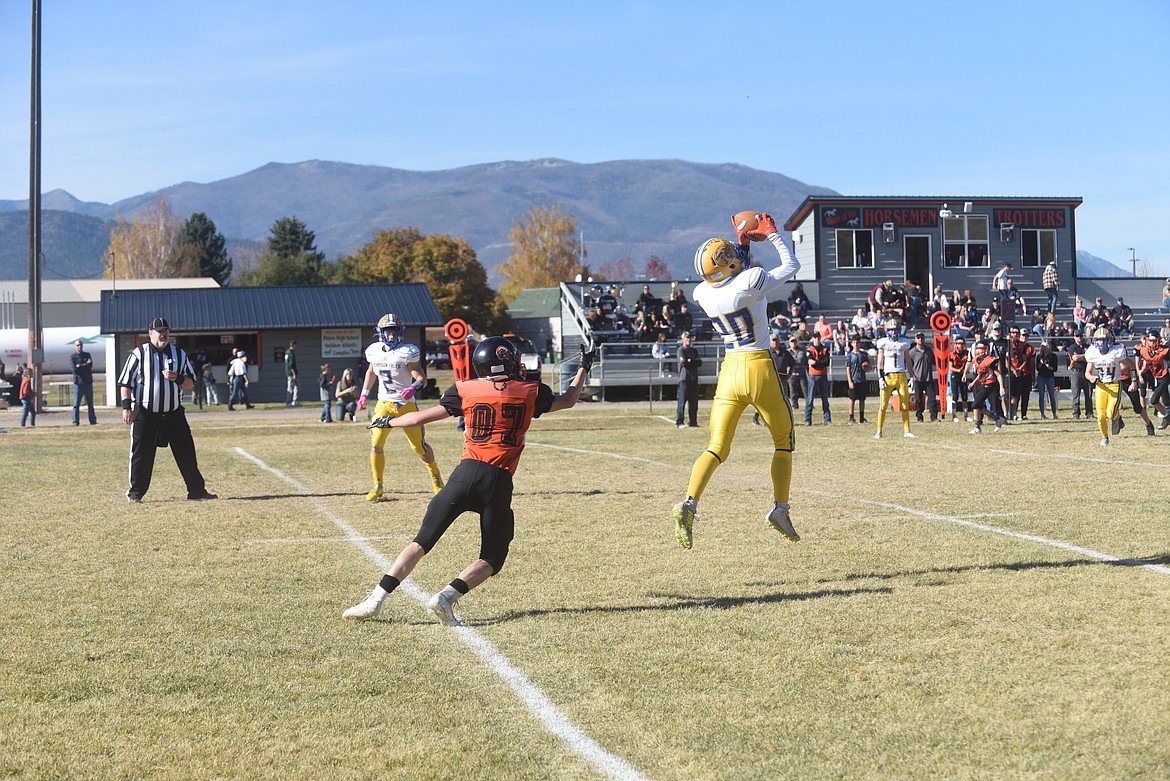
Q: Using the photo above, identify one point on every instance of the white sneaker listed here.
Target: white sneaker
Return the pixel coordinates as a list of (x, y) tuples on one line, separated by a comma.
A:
[(878, 435), (781, 522), (1105, 442), (976, 430), (366, 609), (954, 418), (682, 425), (444, 610), (910, 435)]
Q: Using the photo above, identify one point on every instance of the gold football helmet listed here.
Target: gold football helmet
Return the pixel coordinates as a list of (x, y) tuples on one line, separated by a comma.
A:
[(1103, 337), (390, 328), (717, 261)]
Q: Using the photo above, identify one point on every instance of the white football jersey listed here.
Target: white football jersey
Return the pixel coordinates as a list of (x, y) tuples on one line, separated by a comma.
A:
[(894, 351), (1107, 364), (739, 307), (389, 362)]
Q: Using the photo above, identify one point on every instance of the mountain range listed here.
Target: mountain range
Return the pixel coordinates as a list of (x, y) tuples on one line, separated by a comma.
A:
[(627, 208)]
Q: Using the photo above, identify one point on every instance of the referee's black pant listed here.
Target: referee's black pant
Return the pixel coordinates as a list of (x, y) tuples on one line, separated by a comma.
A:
[(151, 430)]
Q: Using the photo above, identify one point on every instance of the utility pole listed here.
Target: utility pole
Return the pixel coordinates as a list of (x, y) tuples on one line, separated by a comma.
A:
[(36, 346), (1133, 258)]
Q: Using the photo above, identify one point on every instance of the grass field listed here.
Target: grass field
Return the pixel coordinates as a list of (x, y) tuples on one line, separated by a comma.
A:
[(960, 607)]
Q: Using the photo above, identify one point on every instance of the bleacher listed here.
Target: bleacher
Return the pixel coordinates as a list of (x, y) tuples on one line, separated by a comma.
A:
[(625, 362)]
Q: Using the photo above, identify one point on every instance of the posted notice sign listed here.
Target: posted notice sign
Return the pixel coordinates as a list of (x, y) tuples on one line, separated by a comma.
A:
[(341, 342)]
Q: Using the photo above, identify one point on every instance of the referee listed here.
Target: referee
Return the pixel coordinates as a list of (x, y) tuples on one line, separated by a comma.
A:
[(151, 384)]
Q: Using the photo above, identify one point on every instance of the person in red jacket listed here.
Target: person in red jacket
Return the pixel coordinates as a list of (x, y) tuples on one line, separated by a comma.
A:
[(818, 378), (28, 398), (1022, 365)]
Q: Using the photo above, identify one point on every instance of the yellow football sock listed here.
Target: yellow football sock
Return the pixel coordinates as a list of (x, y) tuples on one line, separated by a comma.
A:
[(781, 475), (378, 466)]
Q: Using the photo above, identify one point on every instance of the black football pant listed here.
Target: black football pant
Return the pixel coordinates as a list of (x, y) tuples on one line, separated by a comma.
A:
[(148, 432)]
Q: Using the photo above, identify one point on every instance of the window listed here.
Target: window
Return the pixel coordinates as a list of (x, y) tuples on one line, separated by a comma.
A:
[(965, 241), (1039, 248), (855, 249)]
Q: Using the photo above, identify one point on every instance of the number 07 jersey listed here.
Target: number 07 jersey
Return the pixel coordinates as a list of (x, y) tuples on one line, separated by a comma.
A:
[(496, 415), (739, 307)]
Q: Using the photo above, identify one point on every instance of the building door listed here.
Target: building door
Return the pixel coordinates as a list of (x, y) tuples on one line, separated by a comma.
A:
[(916, 252)]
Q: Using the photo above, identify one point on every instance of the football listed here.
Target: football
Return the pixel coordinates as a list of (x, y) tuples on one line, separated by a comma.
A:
[(745, 224)]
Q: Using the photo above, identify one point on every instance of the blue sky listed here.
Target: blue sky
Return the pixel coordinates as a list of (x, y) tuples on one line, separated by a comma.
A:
[(899, 98)]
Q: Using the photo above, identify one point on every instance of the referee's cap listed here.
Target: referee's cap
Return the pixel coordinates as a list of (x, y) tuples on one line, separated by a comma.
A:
[(159, 323)]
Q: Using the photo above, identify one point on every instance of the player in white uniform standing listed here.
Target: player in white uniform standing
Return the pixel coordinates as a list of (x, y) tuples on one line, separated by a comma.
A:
[(397, 367), (735, 296), (1104, 361), (892, 349)]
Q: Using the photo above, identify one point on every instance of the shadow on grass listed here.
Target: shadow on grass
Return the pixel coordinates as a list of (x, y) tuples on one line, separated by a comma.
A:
[(684, 602), (1023, 566), (334, 495)]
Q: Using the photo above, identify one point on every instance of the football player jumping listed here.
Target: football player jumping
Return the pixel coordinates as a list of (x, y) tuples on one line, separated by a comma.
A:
[(498, 408), (1105, 362), (397, 367), (735, 297), (891, 354)]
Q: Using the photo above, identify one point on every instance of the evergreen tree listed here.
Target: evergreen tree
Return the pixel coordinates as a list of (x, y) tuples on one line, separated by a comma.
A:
[(289, 237), (291, 259), (200, 242)]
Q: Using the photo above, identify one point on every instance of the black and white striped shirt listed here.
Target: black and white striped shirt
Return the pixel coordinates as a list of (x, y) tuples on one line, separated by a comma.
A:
[(142, 374)]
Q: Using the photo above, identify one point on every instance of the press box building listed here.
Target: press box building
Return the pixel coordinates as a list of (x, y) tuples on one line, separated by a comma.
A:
[(846, 245)]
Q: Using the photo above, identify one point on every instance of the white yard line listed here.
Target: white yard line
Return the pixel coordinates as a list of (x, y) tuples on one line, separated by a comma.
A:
[(1046, 454), (537, 701), (1160, 569), (600, 453), (1093, 554)]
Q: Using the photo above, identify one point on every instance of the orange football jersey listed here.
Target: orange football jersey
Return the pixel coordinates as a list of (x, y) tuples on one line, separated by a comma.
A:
[(496, 414)]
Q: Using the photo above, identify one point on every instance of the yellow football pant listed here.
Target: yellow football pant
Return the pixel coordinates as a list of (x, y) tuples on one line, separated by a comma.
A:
[(1106, 398), (414, 435), (895, 381), (747, 378)]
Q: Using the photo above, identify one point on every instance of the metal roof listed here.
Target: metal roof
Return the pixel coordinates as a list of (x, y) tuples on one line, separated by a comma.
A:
[(254, 308)]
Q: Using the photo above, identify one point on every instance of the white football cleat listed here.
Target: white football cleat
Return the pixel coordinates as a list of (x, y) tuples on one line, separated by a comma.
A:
[(366, 609), (1105, 442), (444, 610), (878, 435), (781, 522), (910, 434)]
